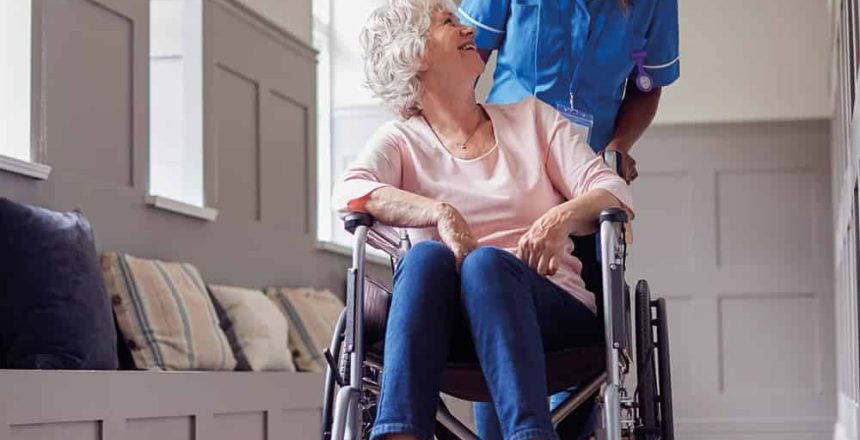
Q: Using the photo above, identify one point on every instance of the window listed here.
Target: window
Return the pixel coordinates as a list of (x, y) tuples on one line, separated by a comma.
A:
[(15, 79), (176, 102), (16, 143), (348, 114), (321, 31)]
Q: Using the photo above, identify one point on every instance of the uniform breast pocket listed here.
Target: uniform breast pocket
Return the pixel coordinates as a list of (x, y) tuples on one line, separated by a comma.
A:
[(521, 40)]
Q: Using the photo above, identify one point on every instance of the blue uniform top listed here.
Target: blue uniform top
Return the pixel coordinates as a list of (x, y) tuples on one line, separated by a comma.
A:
[(552, 48)]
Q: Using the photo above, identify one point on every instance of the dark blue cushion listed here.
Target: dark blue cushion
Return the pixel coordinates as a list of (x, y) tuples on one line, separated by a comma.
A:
[(54, 310)]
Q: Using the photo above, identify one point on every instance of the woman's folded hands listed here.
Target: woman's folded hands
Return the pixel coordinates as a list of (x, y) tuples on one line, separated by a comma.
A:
[(542, 245)]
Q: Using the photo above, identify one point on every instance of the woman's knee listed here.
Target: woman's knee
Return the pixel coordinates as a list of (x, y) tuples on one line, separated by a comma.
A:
[(431, 257), (490, 273), (488, 260), (427, 274)]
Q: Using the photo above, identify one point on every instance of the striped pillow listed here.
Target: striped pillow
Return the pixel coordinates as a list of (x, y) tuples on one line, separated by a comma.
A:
[(165, 314), (255, 327), (312, 315)]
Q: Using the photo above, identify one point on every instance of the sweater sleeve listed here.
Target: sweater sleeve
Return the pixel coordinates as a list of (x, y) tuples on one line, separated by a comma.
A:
[(571, 164), (378, 166)]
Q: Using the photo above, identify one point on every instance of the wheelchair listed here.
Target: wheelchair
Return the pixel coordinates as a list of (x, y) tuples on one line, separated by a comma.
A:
[(353, 377)]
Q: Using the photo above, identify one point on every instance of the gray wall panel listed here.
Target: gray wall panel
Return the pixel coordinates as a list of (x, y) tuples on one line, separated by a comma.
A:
[(246, 426), (89, 105), (286, 195), (161, 428), (237, 134), (83, 430)]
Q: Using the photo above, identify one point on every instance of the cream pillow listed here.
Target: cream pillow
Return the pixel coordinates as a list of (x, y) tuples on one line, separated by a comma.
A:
[(256, 327), (312, 315)]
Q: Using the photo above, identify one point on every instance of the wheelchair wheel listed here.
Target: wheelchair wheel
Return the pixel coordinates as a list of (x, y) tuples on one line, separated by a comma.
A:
[(648, 427), (667, 423)]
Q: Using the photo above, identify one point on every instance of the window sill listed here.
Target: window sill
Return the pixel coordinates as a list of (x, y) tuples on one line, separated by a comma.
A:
[(167, 204), (25, 168), (337, 248)]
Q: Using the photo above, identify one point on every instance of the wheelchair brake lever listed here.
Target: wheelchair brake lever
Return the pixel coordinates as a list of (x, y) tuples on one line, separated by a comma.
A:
[(333, 367)]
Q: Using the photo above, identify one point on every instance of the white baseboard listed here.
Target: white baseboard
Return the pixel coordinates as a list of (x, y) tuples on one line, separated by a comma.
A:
[(731, 429)]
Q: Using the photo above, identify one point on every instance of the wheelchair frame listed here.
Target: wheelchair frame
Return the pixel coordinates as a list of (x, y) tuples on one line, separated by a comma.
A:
[(621, 411)]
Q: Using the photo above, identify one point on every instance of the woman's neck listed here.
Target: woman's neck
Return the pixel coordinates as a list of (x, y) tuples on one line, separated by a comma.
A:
[(453, 111)]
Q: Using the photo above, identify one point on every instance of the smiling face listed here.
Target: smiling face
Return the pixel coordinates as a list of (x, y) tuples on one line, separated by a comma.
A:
[(450, 49)]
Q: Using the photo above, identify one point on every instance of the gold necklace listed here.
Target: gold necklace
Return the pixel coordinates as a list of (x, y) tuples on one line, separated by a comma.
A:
[(463, 145)]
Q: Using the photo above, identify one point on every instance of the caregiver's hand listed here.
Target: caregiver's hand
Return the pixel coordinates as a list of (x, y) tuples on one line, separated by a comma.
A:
[(455, 232), (541, 247), (628, 165)]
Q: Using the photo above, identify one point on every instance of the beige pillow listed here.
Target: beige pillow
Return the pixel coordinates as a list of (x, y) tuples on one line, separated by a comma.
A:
[(312, 316), (165, 314), (256, 327)]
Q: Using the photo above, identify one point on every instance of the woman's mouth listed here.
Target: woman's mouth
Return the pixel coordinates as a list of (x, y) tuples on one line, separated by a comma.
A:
[(467, 46)]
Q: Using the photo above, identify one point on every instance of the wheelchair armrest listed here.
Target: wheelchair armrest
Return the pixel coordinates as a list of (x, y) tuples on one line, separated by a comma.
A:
[(379, 235), (614, 215), (355, 219)]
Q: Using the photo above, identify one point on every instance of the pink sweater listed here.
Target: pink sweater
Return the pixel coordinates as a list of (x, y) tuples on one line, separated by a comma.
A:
[(539, 161)]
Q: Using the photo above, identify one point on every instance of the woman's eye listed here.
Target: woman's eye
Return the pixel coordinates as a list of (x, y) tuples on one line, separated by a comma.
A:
[(449, 21)]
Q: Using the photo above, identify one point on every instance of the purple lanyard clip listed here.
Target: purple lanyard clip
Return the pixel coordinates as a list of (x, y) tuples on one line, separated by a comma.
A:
[(644, 82)]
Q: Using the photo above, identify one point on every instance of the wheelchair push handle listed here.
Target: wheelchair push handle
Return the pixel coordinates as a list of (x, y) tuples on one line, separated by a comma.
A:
[(613, 215), (355, 219)]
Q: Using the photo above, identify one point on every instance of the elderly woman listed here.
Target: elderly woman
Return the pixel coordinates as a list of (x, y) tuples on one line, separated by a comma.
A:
[(492, 193)]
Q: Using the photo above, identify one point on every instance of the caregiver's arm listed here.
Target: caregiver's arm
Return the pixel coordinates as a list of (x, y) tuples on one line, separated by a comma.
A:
[(635, 115)]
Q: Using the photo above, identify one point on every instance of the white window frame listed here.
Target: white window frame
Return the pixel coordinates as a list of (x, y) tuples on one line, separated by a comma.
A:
[(322, 40), (192, 114), (321, 31), (20, 13)]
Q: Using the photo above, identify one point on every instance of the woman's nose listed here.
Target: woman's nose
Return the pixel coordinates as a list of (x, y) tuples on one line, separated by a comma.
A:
[(467, 30)]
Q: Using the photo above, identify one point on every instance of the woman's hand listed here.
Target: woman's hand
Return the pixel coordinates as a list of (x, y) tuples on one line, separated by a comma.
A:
[(454, 232), (542, 246)]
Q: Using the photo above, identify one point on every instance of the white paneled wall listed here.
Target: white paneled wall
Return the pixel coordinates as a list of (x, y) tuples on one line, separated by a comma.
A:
[(845, 154), (732, 229)]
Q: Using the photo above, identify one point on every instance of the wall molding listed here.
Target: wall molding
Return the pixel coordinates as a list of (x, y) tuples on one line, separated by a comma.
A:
[(272, 29), (678, 129), (187, 209), (25, 168), (697, 427)]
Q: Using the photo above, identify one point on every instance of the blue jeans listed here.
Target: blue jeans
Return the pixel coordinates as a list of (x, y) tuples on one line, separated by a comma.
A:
[(497, 308)]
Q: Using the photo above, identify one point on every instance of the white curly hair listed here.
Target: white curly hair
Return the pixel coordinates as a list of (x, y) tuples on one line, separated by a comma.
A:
[(392, 42)]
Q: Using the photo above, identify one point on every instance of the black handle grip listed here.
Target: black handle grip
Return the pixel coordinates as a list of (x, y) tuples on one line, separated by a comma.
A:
[(356, 219), (615, 215)]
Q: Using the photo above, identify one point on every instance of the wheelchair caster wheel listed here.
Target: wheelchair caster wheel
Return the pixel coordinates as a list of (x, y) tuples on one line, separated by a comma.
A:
[(654, 389)]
